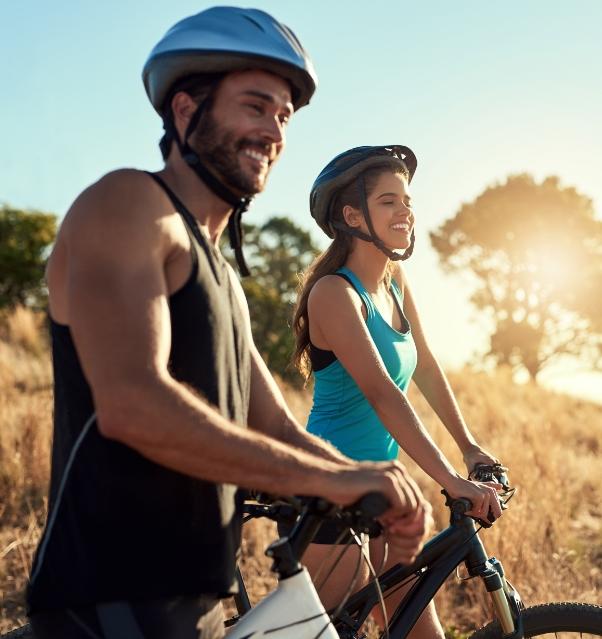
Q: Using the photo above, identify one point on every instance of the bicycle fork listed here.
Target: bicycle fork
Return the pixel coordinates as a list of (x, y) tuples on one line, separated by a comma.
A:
[(506, 601)]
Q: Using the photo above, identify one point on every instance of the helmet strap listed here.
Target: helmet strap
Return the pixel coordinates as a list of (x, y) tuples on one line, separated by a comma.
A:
[(373, 237), (240, 204), (235, 233)]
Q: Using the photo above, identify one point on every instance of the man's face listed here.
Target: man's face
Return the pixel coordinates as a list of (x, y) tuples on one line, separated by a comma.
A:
[(244, 133)]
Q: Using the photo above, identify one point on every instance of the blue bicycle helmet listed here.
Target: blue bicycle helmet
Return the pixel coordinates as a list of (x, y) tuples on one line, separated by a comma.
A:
[(344, 169), (224, 39), (213, 43)]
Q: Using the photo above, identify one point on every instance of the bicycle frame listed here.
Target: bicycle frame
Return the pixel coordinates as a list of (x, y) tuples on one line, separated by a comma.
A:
[(294, 609), (459, 543), (441, 555)]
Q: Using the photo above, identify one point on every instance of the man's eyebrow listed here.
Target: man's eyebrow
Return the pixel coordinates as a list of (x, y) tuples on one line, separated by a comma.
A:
[(267, 97)]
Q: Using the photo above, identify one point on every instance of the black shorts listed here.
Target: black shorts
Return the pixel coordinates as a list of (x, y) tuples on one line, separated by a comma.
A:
[(175, 618)]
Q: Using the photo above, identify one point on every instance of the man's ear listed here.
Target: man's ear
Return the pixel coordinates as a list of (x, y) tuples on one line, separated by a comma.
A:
[(183, 108)]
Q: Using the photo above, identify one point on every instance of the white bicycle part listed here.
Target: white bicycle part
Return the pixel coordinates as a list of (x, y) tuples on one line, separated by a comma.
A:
[(292, 611)]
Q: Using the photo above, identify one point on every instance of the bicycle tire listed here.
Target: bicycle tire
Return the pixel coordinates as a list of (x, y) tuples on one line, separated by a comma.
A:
[(551, 618), (24, 632)]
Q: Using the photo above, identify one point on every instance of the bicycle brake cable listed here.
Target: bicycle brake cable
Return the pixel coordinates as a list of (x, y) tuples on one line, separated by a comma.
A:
[(354, 579), (379, 591)]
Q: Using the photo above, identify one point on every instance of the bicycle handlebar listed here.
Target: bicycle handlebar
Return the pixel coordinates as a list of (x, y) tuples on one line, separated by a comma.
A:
[(306, 514), (482, 473), (361, 515), (309, 514)]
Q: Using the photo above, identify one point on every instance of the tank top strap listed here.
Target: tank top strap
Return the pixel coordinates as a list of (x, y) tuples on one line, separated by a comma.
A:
[(354, 280), (186, 215), (397, 293), (191, 225)]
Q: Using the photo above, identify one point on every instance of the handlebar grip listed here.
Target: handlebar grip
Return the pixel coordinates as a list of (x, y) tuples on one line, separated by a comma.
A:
[(461, 506), (372, 505)]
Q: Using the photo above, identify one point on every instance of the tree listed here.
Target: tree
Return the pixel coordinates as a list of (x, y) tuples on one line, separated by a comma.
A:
[(535, 253), (25, 238), (276, 253)]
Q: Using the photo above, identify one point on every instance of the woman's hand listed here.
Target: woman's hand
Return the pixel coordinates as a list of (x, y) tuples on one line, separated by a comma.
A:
[(482, 496), (476, 455)]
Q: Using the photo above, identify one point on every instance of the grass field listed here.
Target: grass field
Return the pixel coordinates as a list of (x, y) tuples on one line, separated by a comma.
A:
[(550, 540)]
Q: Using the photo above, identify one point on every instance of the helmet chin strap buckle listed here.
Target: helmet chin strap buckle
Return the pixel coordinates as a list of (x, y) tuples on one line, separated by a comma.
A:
[(192, 159)]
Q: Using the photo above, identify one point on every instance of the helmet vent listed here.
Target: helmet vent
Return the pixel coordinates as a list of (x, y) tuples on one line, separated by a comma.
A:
[(254, 22)]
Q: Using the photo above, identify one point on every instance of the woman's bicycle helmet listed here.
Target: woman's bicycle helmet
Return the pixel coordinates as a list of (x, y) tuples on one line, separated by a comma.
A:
[(218, 41), (344, 169)]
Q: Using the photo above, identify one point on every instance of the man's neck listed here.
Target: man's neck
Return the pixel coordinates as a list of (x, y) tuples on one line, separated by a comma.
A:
[(211, 211)]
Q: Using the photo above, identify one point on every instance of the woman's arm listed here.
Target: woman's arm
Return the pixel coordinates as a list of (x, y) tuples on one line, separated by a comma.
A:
[(337, 323), (433, 384)]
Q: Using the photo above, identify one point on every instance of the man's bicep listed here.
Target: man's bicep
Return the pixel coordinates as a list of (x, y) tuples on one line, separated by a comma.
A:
[(117, 301)]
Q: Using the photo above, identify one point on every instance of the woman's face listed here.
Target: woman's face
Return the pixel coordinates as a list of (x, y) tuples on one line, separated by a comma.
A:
[(390, 206)]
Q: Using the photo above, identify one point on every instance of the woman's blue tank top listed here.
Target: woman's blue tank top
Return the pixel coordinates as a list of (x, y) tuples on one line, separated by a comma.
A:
[(341, 414)]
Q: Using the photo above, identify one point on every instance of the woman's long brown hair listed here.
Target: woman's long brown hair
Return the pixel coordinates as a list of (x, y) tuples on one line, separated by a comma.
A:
[(332, 259)]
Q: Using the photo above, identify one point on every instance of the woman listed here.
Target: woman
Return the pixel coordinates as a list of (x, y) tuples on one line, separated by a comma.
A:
[(358, 330)]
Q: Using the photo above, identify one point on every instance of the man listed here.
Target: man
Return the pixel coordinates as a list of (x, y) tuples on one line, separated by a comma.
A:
[(156, 373)]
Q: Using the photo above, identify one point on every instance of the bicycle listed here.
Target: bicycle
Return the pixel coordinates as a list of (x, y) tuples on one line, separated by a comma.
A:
[(457, 544), (294, 610)]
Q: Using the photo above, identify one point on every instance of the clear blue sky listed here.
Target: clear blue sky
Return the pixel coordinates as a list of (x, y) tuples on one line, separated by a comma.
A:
[(478, 90)]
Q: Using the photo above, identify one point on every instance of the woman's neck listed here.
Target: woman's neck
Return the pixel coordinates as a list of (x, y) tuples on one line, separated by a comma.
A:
[(369, 264)]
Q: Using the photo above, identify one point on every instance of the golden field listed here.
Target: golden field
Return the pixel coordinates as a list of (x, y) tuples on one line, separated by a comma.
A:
[(550, 540)]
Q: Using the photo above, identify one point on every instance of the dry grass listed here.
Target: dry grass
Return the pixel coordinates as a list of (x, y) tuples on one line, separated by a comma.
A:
[(550, 540)]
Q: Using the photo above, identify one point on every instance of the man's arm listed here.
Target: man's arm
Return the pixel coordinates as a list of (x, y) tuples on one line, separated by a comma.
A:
[(268, 410), (117, 245), (270, 414)]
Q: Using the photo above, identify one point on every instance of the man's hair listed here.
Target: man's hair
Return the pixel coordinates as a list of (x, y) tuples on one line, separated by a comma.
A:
[(200, 88)]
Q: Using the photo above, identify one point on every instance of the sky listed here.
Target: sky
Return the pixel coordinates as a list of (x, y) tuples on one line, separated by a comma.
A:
[(478, 91)]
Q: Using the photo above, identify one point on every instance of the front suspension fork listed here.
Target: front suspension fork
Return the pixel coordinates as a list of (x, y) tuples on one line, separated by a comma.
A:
[(506, 601)]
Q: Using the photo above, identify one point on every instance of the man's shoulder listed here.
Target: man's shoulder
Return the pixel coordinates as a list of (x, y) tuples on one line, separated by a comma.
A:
[(121, 187), (120, 199)]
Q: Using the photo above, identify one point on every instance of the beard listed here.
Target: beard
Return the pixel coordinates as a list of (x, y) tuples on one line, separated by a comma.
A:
[(219, 151)]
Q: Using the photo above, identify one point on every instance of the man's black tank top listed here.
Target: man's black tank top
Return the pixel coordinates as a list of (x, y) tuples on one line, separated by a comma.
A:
[(119, 525)]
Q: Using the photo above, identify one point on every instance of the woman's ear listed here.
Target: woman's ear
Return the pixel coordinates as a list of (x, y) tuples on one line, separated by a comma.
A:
[(352, 217)]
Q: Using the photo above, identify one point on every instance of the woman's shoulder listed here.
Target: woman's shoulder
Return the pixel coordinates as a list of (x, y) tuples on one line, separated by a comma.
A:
[(331, 289)]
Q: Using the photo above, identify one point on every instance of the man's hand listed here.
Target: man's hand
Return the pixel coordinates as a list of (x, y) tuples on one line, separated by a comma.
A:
[(406, 528), (406, 535), (408, 520)]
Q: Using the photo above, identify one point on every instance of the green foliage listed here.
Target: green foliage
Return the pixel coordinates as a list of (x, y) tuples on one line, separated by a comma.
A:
[(535, 253), (276, 253), (25, 238)]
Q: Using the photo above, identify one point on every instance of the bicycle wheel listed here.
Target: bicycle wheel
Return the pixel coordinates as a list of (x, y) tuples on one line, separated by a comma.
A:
[(554, 620)]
